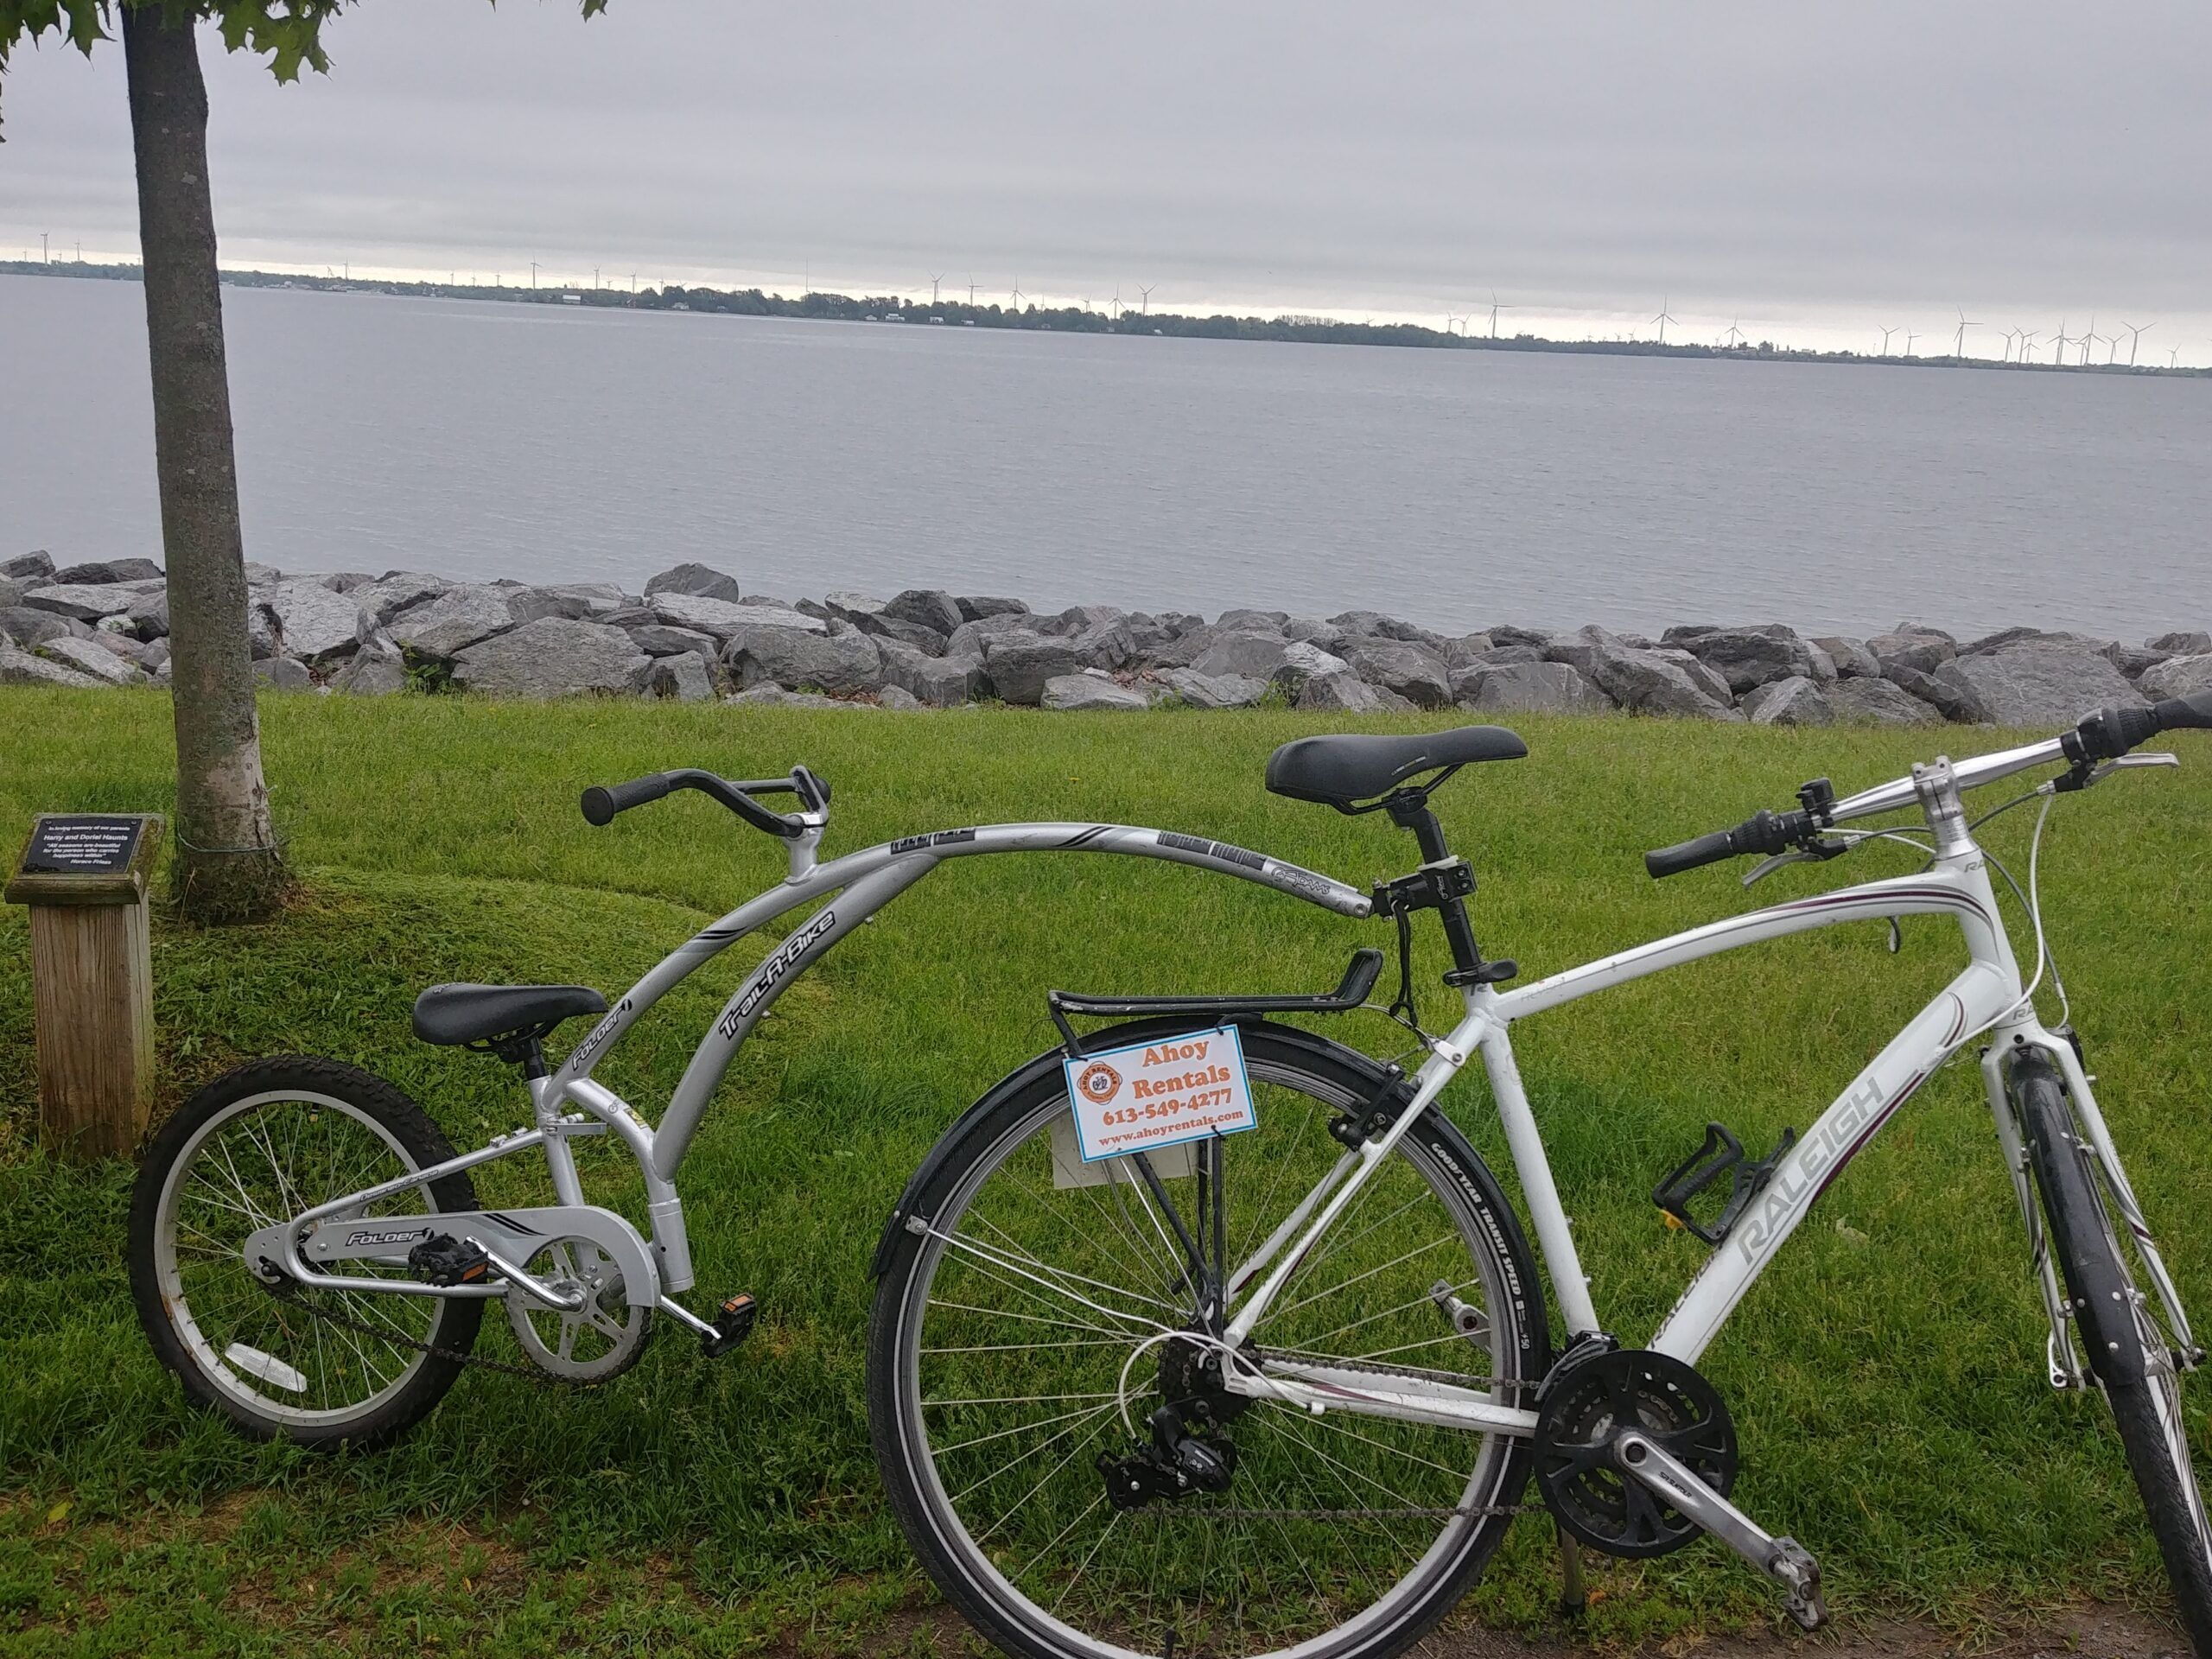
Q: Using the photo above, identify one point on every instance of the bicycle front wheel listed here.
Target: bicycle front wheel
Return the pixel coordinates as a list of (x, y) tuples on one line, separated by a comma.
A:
[(1033, 1314), (2132, 1356)]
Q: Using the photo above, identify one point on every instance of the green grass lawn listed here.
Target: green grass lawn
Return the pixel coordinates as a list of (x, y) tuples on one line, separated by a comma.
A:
[(1886, 1374)]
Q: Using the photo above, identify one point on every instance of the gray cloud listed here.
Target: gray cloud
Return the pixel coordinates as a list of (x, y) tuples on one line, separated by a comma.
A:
[(1812, 169)]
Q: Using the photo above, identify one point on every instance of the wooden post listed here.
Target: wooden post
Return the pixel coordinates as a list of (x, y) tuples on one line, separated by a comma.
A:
[(84, 877)]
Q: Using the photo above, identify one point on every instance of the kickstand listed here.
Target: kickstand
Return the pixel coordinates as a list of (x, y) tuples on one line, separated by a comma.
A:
[(1574, 1596)]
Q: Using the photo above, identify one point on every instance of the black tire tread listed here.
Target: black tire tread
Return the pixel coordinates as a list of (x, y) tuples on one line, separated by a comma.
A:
[(2092, 1271), (425, 1142)]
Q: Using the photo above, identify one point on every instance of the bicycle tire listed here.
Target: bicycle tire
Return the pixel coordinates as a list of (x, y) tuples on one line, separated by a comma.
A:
[(2131, 1362), (1019, 1107), (211, 1378)]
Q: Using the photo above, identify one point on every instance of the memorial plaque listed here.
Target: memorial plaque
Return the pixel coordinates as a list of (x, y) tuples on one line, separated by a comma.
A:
[(85, 858)]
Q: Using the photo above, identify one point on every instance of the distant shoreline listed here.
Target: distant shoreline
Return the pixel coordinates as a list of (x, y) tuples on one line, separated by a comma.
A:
[(893, 309)]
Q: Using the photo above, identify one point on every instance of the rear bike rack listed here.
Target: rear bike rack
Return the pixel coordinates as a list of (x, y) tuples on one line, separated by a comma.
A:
[(1351, 992)]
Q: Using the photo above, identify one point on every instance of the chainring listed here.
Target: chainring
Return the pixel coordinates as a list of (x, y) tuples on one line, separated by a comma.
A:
[(600, 1340), (1584, 1411)]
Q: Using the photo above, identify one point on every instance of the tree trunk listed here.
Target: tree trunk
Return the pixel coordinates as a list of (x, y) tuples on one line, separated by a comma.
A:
[(227, 866)]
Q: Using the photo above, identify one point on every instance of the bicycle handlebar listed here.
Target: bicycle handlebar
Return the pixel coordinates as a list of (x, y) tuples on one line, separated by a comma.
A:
[(603, 801), (2107, 734)]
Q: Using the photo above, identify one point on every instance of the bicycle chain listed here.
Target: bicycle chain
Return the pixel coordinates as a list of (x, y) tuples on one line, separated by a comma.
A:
[(290, 1293)]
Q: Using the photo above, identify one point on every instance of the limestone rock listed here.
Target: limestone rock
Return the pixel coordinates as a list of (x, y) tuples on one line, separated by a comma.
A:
[(11, 593), (96, 572), (700, 581), (1414, 672), (88, 602), (1378, 625), (938, 682), (929, 607), (29, 568), (2178, 677), (442, 628), (27, 627), (967, 639), (1649, 682), (1344, 692), (974, 608), (1852, 658), (552, 656), (397, 591), (2036, 685), (1074, 691), (1019, 664), (687, 676), (1538, 687), (1947, 699), (148, 615), (1214, 690), (796, 660), (723, 619), (376, 669), (91, 659), (312, 623), (774, 697), (1755, 655), (1242, 650), (1251, 621), (1796, 701), (2176, 645), (284, 674), (898, 698), (1923, 652), (1879, 703), (1109, 646), (19, 667), (578, 601), (660, 640)]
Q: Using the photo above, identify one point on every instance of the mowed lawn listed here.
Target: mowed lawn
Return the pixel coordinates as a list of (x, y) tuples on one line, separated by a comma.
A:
[(1886, 1375)]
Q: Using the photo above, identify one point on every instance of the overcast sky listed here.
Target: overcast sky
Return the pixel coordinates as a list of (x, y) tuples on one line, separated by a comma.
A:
[(1815, 171)]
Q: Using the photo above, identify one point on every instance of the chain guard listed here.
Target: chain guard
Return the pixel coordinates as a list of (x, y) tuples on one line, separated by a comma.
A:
[(1584, 1410), (607, 1332)]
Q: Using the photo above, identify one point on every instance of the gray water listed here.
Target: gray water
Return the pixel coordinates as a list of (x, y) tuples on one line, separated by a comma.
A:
[(476, 439)]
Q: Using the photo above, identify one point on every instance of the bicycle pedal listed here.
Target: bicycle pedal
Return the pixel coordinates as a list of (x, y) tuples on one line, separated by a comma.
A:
[(444, 1260), (733, 1323)]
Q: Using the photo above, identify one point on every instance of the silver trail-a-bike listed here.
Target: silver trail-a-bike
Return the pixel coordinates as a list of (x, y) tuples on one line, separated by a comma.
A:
[(1279, 1391)]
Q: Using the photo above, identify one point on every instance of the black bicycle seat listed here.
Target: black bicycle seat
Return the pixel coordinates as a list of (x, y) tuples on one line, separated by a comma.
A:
[(1343, 767)]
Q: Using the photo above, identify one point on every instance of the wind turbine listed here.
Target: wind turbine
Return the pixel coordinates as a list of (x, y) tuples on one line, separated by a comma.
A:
[(1663, 319), (1886, 332), (1735, 336), (1494, 307), (2027, 345), (1016, 301), (2173, 356), (1144, 300), (2007, 335), (2134, 338), (934, 281), (1117, 301), (2085, 341), (1908, 338), (971, 288), (1959, 347)]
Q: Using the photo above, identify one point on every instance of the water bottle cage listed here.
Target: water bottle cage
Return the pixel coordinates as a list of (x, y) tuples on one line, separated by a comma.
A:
[(1721, 1154)]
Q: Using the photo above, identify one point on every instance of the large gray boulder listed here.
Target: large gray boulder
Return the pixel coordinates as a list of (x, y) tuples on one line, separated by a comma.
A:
[(440, 629), (1924, 651), (1879, 703), (1327, 635), (397, 591), (1579, 649), (2133, 660), (1654, 682), (660, 640), (312, 623), (376, 669), (770, 653), (1109, 646), (1851, 658), (1344, 692), (284, 674), (940, 682), (94, 660), (89, 601), (2035, 685), (928, 607), (1946, 698), (1021, 663), (974, 608), (686, 676), (20, 625), (95, 572), (19, 667), (1081, 619), (873, 616), (1241, 650), (1078, 691), (579, 601), (1244, 620), (2178, 677), (11, 593), (702, 581), (1535, 686), (148, 615), (552, 656), (2192, 643), (1213, 690), (29, 568), (1796, 701), (1467, 650), (967, 639), (1378, 625), (723, 619), (1758, 655), (1414, 672)]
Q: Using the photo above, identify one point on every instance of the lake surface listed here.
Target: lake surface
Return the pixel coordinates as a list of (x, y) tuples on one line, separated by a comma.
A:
[(1461, 489)]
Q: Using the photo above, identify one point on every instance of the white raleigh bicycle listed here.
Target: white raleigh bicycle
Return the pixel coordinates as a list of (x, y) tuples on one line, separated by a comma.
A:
[(1281, 1390), (1274, 1389)]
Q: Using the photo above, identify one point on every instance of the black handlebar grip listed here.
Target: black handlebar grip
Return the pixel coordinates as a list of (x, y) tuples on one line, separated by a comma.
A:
[(1664, 861), (601, 802), (2176, 714)]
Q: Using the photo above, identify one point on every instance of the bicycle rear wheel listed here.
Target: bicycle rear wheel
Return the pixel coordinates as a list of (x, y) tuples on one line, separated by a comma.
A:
[(1022, 1325), (2128, 1351)]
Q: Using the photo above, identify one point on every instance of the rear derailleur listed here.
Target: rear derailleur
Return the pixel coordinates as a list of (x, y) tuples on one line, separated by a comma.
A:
[(1188, 1452)]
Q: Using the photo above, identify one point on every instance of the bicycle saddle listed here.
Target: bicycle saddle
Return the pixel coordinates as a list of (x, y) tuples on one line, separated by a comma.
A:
[(473, 1014), (1342, 767)]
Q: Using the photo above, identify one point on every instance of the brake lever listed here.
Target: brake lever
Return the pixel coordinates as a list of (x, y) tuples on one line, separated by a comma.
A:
[(1813, 852)]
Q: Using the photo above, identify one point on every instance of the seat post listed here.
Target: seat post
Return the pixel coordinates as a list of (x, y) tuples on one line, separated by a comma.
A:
[(1409, 810)]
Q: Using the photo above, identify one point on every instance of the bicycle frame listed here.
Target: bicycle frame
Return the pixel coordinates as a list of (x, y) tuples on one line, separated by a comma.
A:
[(1984, 998), (854, 888)]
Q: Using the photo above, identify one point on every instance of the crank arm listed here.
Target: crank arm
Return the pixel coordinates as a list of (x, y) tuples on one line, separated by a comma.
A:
[(1784, 1559)]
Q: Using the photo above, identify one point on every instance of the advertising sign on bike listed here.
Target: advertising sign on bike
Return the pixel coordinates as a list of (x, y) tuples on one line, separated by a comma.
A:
[(1160, 1094)]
